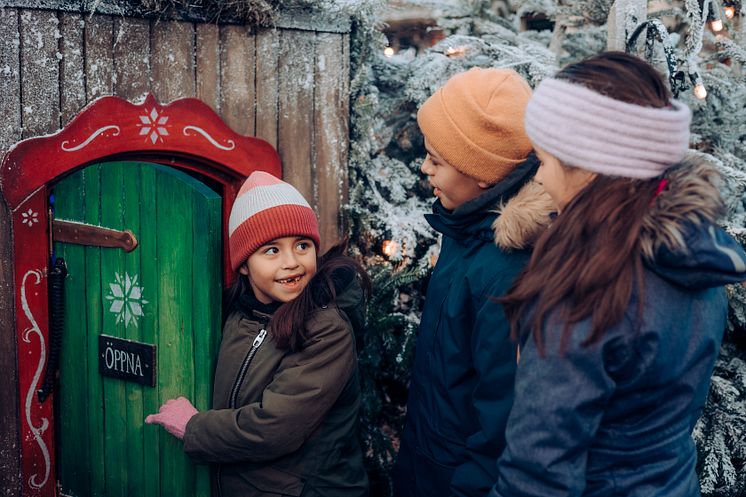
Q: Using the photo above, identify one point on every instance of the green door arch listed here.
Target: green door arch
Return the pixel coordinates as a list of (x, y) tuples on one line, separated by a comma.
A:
[(165, 294)]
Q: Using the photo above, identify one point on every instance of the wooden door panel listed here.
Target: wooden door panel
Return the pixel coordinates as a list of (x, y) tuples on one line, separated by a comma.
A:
[(167, 293), (94, 302), (207, 291), (115, 282), (174, 300), (148, 245), (133, 393), (74, 357)]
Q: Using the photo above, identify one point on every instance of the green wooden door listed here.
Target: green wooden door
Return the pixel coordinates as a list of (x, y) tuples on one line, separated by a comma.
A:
[(166, 293)]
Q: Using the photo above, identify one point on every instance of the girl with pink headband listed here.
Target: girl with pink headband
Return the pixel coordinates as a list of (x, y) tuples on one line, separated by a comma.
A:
[(621, 309)]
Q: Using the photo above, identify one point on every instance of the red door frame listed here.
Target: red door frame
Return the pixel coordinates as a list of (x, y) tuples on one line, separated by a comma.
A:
[(186, 134)]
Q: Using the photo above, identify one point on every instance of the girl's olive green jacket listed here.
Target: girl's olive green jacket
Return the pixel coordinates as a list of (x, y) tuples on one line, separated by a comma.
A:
[(285, 423)]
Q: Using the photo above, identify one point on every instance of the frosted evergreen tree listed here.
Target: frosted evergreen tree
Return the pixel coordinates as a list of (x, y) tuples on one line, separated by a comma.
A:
[(389, 196)]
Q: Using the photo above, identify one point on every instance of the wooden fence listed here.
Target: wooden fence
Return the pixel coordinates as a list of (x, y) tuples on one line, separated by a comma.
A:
[(287, 86)]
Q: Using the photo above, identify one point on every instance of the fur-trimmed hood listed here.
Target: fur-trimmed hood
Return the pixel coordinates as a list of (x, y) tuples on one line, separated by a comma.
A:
[(680, 238), (691, 197), (523, 218)]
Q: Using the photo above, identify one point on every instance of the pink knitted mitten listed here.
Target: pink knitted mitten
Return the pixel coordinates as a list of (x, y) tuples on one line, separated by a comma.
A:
[(174, 416)]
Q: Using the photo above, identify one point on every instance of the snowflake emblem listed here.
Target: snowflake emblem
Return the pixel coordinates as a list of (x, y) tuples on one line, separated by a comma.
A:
[(154, 126), (30, 217), (126, 299)]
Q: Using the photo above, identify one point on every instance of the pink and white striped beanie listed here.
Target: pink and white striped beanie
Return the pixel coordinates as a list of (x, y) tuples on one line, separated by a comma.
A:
[(585, 129), (265, 209)]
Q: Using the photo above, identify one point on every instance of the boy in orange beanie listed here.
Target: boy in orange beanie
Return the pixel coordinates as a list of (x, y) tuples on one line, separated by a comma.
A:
[(489, 211)]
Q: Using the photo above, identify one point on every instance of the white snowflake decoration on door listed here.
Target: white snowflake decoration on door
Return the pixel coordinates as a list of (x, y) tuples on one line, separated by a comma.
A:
[(126, 299), (154, 126)]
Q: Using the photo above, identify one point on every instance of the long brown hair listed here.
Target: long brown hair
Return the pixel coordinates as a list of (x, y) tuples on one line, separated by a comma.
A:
[(334, 271), (587, 263)]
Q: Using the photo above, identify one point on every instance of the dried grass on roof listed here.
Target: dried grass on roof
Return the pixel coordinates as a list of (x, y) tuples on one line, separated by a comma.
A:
[(260, 12)]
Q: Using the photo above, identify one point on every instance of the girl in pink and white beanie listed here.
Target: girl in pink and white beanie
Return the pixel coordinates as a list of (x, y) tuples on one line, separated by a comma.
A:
[(286, 379), (267, 208)]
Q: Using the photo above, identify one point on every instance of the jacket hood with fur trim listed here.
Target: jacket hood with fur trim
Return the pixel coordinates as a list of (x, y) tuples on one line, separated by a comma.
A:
[(523, 218), (680, 239)]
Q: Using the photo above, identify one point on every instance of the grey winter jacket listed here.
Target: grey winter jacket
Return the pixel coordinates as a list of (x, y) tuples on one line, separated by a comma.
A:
[(615, 418), (283, 422)]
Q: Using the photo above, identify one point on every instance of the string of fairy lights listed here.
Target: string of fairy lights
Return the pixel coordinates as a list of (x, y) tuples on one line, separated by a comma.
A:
[(684, 74), (720, 17)]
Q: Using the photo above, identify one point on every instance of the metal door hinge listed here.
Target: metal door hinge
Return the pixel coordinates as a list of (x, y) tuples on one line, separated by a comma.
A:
[(87, 234)]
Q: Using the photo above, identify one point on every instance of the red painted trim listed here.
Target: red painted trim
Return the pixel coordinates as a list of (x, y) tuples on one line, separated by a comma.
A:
[(111, 126), (30, 224), (185, 134)]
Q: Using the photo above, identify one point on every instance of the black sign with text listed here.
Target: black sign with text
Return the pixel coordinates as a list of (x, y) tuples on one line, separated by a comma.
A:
[(126, 360)]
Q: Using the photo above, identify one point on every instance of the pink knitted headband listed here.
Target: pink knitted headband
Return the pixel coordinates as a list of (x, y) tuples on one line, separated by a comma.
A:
[(591, 131)]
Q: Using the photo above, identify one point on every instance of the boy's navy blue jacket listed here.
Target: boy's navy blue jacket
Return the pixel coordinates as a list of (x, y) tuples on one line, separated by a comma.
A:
[(615, 418), (462, 380)]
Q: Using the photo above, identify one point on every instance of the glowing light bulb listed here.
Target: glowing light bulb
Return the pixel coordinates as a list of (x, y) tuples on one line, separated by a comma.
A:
[(389, 247), (700, 91), (455, 51), (730, 11), (716, 25), (388, 52)]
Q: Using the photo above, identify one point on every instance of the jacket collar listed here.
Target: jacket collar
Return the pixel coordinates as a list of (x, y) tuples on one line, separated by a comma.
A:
[(502, 190), (475, 219), (252, 308)]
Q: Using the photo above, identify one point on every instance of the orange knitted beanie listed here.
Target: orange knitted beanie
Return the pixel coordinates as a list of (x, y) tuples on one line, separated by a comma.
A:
[(475, 122)]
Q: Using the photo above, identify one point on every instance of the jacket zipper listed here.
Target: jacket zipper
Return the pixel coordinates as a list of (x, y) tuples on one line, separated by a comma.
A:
[(245, 366), (239, 381)]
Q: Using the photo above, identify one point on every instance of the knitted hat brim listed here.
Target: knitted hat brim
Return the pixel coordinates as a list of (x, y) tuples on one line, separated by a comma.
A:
[(459, 150), (271, 224)]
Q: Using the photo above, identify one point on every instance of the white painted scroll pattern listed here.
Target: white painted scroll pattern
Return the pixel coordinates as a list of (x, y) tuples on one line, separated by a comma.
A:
[(231, 143), (65, 144), (154, 126), (36, 430)]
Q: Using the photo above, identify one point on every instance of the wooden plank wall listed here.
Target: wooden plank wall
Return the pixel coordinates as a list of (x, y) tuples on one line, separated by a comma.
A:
[(287, 86), (10, 132), (9, 440)]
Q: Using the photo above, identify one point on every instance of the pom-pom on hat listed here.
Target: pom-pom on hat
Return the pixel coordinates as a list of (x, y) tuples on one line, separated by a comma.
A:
[(265, 209), (475, 122)]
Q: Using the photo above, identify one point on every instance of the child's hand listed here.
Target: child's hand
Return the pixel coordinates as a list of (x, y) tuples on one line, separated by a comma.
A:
[(174, 416)]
